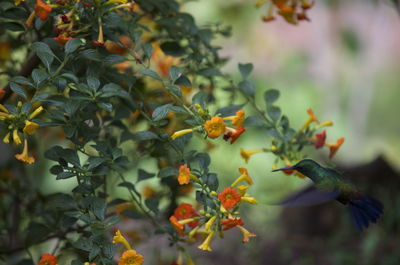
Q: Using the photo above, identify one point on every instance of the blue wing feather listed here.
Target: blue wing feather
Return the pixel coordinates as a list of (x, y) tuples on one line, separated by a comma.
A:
[(309, 196)]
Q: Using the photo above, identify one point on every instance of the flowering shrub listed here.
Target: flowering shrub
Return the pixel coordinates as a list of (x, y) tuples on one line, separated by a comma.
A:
[(111, 83)]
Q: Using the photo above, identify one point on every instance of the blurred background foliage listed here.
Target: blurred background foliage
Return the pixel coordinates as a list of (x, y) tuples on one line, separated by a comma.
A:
[(344, 65)]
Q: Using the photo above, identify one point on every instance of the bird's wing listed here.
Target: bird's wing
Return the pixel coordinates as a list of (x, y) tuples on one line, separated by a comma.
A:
[(310, 196)]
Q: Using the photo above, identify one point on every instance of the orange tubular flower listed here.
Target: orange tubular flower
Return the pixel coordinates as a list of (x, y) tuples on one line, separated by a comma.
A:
[(237, 120), (131, 257), (229, 197), (185, 175), (320, 139), (47, 259), (233, 134), (42, 10), (311, 119), (178, 226), (231, 223), (24, 156), (62, 39), (215, 127), (30, 127), (185, 211), (334, 147)]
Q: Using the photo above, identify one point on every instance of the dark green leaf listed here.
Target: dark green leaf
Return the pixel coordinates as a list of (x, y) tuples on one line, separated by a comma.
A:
[(203, 160), (174, 73), (36, 232), (148, 50), (175, 90), (142, 175), (132, 214), (168, 172), (150, 73), (13, 26), (160, 112), (152, 204), (247, 88), (145, 135), (114, 59), (254, 121), (39, 75), (172, 48), (83, 243), (65, 175), (72, 45), (274, 112), (183, 81), (270, 96), (209, 72), (18, 90), (212, 181), (245, 69)]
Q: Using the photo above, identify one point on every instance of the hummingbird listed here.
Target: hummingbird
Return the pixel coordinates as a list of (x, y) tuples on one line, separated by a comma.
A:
[(330, 185)]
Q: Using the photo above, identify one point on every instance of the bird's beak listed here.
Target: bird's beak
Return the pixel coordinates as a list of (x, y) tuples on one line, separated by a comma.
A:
[(285, 168)]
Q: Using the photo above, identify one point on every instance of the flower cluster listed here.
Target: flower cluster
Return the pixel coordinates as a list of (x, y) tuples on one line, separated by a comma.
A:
[(208, 222), (215, 126), (129, 256), (19, 121), (292, 11), (47, 259)]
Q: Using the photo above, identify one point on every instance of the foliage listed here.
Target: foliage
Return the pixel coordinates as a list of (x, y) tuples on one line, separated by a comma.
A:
[(110, 84)]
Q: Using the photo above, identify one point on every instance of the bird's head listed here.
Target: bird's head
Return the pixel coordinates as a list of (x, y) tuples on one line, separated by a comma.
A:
[(305, 167)]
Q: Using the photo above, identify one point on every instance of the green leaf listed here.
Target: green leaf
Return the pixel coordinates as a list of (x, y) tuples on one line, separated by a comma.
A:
[(83, 243), (21, 80), (71, 77), (132, 214), (113, 220), (145, 135), (72, 45), (172, 48), (174, 73), (13, 26), (160, 112), (200, 98), (65, 175), (274, 112), (212, 181), (168, 172), (150, 73), (209, 72), (245, 69), (38, 76), (114, 59), (148, 50), (203, 160), (18, 90), (175, 90), (183, 81), (247, 88), (36, 232), (152, 204), (142, 175), (93, 83), (44, 53), (253, 121), (91, 54), (94, 251), (270, 96)]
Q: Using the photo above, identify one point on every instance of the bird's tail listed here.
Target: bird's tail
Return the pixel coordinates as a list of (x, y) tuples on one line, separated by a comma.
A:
[(364, 211)]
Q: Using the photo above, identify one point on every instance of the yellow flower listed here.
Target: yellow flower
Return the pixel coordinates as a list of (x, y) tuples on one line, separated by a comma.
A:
[(246, 234), (118, 238), (24, 156), (245, 176), (181, 133), (6, 138), (237, 120), (16, 138), (324, 124), (30, 127), (242, 189), (206, 244), (246, 154), (215, 127), (3, 109), (249, 200), (35, 113), (130, 257), (189, 260), (116, 2), (210, 222)]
